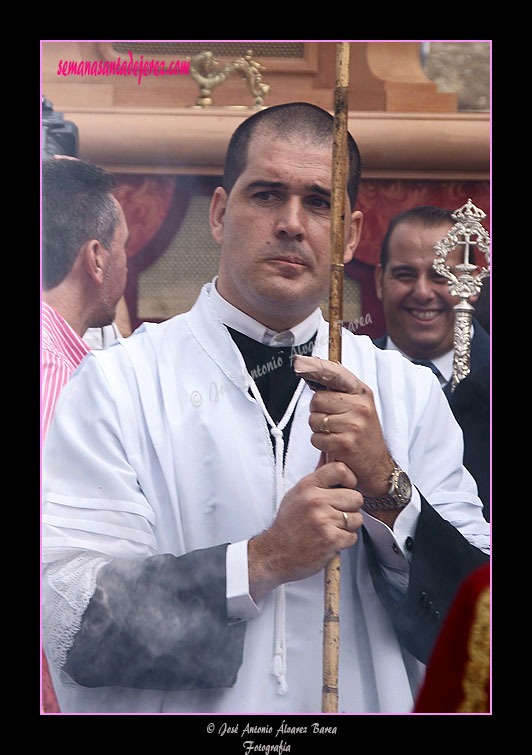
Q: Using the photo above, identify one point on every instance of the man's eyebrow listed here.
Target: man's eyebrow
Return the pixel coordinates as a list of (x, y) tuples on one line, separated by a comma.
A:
[(404, 268), (401, 268), (317, 189), (263, 184)]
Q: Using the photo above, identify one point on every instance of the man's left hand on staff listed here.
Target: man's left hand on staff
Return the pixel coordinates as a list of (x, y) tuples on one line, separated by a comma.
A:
[(345, 424)]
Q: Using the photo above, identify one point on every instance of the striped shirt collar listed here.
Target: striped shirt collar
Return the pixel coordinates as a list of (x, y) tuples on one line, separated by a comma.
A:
[(58, 336)]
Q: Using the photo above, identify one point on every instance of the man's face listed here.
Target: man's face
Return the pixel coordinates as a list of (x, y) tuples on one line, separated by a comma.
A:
[(274, 230), (416, 301), (115, 273)]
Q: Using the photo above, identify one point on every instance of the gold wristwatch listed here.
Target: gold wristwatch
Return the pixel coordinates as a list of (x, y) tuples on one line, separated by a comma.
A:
[(399, 494)]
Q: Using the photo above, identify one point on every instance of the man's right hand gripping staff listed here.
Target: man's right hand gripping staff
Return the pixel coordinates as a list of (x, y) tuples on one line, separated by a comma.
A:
[(318, 518)]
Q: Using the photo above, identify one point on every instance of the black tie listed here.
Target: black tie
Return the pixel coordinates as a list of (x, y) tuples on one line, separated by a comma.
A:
[(430, 365), (445, 387)]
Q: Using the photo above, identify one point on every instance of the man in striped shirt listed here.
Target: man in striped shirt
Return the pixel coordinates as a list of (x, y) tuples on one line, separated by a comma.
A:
[(84, 269)]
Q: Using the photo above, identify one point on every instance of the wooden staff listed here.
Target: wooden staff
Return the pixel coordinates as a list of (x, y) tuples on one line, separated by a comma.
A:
[(331, 619)]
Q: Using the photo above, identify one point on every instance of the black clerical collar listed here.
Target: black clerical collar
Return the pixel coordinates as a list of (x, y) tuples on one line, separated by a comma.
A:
[(271, 369)]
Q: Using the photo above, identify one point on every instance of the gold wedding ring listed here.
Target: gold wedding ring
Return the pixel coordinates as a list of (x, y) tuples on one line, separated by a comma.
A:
[(324, 427), (346, 520)]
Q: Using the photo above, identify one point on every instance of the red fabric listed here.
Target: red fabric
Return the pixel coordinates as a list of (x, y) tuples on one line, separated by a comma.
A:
[(49, 700), (443, 689)]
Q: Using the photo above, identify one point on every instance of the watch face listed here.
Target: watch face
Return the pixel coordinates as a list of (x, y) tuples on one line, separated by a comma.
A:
[(398, 497), (403, 486)]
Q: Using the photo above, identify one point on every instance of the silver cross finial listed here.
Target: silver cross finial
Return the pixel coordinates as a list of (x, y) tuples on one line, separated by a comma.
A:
[(467, 232)]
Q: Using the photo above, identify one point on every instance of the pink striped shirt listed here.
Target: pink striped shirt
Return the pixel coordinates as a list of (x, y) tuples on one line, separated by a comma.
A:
[(61, 352)]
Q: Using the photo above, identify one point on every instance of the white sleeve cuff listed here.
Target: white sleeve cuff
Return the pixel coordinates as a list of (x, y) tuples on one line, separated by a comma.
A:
[(394, 548), (240, 604)]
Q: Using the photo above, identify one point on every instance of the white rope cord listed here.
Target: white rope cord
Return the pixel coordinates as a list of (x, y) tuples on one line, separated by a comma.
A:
[(279, 648)]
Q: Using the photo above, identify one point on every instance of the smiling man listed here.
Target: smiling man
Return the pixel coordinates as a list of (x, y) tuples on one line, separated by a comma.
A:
[(185, 540), (418, 307)]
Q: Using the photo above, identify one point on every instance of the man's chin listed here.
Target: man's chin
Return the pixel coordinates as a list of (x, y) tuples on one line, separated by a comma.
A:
[(426, 350), (284, 308), (287, 294), (103, 321), (421, 345)]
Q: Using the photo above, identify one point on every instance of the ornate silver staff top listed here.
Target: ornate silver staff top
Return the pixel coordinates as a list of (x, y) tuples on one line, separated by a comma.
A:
[(467, 232)]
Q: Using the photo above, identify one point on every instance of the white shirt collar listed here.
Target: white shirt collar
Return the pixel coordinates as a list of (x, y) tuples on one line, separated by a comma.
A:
[(235, 318), (444, 363)]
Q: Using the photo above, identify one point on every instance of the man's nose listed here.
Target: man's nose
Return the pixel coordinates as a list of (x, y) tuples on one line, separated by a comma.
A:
[(423, 288), (291, 220)]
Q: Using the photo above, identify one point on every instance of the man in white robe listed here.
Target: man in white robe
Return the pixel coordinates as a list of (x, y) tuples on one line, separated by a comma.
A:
[(185, 530)]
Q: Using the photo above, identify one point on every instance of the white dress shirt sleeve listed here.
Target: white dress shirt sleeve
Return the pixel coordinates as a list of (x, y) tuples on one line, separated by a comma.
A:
[(240, 604)]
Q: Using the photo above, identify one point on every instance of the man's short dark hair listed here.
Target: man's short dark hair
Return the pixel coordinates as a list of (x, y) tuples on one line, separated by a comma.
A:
[(425, 215), (77, 206), (288, 120)]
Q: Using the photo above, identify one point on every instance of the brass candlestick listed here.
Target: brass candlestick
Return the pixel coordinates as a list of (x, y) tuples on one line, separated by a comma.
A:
[(204, 71), (467, 232)]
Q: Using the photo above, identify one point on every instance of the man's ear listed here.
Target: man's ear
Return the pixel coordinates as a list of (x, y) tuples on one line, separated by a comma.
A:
[(217, 213), (94, 258), (355, 230)]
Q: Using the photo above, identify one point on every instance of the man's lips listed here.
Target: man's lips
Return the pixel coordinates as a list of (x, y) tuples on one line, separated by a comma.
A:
[(425, 315), (289, 260)]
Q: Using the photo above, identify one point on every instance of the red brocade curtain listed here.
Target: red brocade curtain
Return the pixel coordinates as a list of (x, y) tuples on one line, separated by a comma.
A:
[(381, 200)]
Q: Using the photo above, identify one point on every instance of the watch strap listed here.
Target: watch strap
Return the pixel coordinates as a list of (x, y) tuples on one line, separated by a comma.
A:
[(383, 504)]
